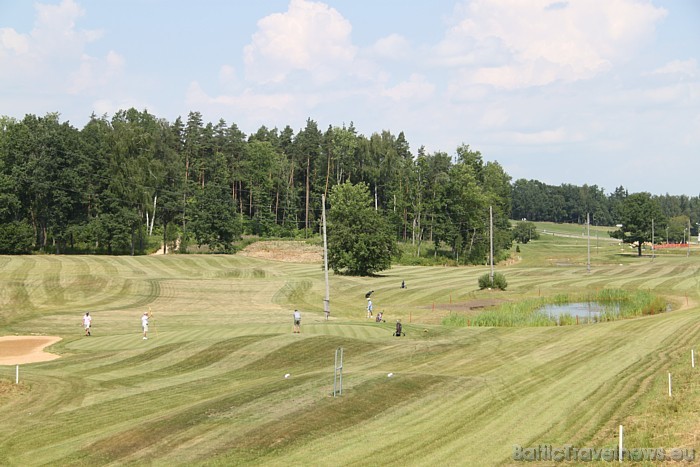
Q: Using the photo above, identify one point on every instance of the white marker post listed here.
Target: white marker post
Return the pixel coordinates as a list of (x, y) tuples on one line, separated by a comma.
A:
[(692, 358), (619, 445), (669, 385), (17, 374)]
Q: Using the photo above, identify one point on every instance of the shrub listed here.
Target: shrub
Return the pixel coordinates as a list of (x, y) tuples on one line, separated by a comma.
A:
[(499, 281), (16, 238)]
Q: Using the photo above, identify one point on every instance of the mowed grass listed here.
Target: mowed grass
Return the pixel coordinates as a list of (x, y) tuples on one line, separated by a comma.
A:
[(208, 386)]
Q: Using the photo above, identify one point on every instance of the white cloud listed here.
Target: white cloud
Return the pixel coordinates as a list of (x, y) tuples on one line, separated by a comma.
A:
[(393, 46), (513, 44), (52, 55), (227, 74), (96, 73), (463, 88), (55, 34), (111, 106), (13, 42), (247, 100), (492, 118), (678, 94), (309, 37), (415, 89), (253, 106), (559, 135), (679, 67), (229, 81)]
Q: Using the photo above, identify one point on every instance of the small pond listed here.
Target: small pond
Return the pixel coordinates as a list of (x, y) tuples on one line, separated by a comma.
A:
[(584, 311)]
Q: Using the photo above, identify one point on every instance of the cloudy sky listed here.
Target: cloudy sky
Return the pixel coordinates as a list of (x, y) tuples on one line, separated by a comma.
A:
[(603, 92)]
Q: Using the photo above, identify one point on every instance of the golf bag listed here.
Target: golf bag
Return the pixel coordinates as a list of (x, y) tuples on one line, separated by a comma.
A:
[(399, 330)]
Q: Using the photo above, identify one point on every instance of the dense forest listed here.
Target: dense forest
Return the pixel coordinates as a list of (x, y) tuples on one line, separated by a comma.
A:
[(537, 201), (113, 185)]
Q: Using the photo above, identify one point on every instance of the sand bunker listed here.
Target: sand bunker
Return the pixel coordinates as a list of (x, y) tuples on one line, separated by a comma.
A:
[(15, 350)]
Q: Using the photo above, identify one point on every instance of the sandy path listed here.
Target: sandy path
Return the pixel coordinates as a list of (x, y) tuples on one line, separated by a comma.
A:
[(15, 350)]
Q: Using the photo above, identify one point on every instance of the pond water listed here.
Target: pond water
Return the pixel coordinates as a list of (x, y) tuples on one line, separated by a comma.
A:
[(585, 311)]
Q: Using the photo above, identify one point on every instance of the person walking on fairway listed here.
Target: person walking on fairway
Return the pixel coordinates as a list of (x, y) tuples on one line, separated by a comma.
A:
[(144, 324), (399, 328), (297, 322), (87, 322), (369, 307)]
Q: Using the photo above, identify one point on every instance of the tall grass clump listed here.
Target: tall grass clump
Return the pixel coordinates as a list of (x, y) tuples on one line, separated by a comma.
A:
[(617, 304), (510, 314), (454, 320), (627, 304)]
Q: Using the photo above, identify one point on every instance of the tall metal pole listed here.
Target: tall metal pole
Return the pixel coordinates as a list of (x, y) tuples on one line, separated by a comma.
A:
[(338, 373), (491, 239), (588, 234), (653, 251), (327, 299)]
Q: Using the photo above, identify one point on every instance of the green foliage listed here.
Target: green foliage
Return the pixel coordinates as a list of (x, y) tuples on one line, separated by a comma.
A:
[(676, 230), (359, 240), (454, 320), (525, 231), (499, 281), (93, 189), (424, 255), (16, 238), (171, 236), (639, 210), (214, 221), (537, 201)]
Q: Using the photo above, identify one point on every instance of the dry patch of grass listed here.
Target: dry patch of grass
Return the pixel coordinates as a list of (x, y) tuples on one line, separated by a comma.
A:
[(9, 389), (476, 304), (287, 251)]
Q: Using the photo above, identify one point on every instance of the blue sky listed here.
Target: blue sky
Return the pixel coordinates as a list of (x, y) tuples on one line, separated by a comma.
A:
[(598, 92)]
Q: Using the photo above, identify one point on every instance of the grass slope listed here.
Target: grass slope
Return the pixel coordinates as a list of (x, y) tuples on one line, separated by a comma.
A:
[(208, 387)]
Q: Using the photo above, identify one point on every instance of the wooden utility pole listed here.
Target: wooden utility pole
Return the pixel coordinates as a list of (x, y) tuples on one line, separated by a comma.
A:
[(491, 240), (653, 251), (588, 236), (327, 299), (306, 220)]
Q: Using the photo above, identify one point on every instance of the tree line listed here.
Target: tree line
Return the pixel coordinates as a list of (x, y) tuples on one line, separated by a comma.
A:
[(114, 184), (536, 201), (110, 186)]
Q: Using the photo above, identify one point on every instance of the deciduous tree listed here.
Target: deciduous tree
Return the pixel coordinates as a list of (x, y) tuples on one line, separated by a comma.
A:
[(638, 210), (360, 242)]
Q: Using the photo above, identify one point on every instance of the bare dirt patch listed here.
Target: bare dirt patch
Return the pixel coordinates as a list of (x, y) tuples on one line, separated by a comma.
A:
[(15, 350), (287, 251), (476, 304)]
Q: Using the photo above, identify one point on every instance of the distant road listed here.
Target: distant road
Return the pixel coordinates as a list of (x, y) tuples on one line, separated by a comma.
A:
[(568, 235)]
